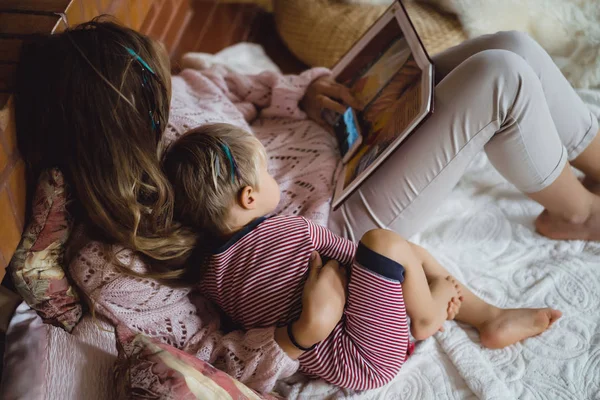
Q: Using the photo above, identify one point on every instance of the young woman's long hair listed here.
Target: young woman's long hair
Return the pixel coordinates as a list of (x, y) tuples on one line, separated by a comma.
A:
[(94, 101)]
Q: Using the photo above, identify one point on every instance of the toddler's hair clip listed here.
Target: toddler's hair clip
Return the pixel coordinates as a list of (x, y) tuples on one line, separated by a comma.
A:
[(232, 163)]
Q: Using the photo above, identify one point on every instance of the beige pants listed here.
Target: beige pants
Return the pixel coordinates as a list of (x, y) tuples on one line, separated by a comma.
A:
[(500, 93)]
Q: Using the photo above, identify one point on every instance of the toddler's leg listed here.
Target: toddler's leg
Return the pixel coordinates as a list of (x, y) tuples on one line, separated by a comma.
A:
[(426, 299), (497, 327), (370, 344)]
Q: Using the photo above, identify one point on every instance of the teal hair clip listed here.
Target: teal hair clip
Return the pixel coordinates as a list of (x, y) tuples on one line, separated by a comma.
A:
[(139, 59), (155, 122), (232, 163)]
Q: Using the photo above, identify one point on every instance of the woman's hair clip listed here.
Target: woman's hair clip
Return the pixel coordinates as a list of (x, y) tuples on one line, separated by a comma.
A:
[(139, 59), (232, 163), (155, 122)]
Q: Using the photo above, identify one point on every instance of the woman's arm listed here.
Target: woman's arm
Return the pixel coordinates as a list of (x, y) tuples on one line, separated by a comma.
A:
[(187, 321), (219, 95), (269, 93), (233, 95)]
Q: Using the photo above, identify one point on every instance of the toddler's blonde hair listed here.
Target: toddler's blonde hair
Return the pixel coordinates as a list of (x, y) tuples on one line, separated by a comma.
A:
[(208, 166)]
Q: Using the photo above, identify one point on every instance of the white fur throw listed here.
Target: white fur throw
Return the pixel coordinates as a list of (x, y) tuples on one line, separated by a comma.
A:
[(568, 29)]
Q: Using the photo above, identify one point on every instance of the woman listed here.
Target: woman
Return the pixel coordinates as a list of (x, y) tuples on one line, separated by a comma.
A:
[(101, 107)]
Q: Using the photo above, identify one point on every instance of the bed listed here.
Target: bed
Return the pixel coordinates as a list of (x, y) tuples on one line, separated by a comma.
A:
[(483, 234)]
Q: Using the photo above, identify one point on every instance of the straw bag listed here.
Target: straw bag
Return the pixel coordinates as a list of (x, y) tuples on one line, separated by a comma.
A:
[(319, 32)]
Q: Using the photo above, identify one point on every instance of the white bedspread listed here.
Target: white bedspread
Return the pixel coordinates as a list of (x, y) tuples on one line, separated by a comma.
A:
[(484, 234)]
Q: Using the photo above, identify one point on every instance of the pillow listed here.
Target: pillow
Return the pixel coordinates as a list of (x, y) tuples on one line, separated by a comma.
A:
[(37, 265), (148, 369)]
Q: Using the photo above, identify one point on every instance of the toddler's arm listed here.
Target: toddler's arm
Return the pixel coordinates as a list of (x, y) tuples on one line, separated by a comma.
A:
[(331, 246)]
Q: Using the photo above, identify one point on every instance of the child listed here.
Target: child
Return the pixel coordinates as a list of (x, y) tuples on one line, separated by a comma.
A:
[(256, 265)]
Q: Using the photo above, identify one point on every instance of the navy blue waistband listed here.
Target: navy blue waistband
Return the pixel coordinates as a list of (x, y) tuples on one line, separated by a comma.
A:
[(379, 264)]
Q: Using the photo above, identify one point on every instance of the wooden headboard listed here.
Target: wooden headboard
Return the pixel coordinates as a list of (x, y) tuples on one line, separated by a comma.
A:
[(164, 20)]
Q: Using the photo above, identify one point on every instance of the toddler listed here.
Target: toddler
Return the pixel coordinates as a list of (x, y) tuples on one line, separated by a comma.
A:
[(255, 266)]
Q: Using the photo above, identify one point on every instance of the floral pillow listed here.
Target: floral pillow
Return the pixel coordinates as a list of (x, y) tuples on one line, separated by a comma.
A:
[(37, 265), (148, 369)]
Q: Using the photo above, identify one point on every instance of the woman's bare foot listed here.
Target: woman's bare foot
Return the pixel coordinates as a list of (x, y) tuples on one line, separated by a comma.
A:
[(513, 325), (557, 228)]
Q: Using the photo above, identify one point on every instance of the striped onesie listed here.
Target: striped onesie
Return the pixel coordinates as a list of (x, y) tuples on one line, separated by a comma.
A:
[(257, 279)]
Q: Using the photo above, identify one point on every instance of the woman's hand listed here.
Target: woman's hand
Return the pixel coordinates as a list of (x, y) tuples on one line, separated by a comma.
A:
[(325, 93), (323, 302)]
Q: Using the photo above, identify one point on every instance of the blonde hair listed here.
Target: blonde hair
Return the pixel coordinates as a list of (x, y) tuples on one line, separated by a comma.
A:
[(208, 167), (85, 104)]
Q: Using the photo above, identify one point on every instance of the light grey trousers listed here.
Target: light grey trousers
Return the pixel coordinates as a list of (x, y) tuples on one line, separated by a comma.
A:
[(500, 93)]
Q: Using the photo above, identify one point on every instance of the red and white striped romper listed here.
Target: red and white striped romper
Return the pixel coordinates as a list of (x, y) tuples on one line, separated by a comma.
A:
[(257, 279)]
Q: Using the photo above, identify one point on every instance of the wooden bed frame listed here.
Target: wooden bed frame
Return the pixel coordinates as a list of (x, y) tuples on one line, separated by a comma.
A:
[(164, 20)]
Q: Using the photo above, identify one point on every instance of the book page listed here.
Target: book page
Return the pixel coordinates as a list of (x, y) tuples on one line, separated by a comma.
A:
[(386, 78)]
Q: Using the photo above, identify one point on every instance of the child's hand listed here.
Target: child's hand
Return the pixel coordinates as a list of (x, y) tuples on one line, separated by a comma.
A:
[(323, 301)]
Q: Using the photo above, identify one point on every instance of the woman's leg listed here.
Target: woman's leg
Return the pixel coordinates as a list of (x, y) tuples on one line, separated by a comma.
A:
[(574, 122), (571, 211), (497, 327), (493, 100)]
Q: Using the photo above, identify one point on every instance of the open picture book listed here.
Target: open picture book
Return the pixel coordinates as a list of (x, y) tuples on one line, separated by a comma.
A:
[(389, 72)]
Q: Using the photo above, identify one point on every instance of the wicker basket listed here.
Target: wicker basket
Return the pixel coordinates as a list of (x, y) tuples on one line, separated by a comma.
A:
[(319, 32)]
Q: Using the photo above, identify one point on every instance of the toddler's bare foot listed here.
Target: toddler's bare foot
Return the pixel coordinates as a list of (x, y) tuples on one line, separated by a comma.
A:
[(557, 228), (513, 325), (443, 289), (456, 301)]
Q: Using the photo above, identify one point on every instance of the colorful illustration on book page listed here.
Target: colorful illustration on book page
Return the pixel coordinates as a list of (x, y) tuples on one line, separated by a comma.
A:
[(368, 85), (388, 115)]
